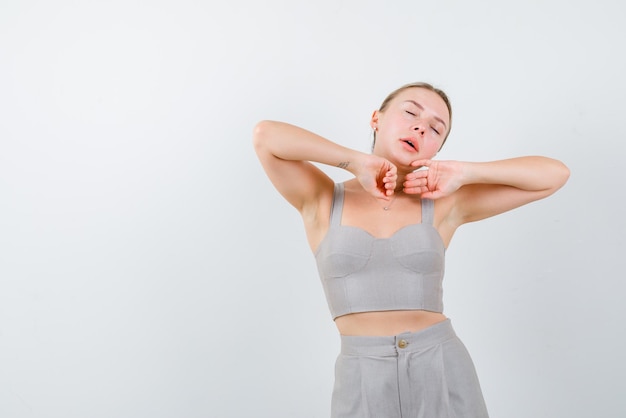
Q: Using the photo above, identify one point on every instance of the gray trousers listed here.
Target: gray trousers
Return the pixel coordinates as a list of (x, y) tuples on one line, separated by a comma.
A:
[(424, 374)]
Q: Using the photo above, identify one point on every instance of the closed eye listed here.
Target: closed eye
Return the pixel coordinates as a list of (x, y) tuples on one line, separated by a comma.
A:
[(436, 131), (410, 113)]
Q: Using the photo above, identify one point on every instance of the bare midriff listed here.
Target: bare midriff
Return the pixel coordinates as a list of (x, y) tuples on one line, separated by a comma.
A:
[(386, 323)]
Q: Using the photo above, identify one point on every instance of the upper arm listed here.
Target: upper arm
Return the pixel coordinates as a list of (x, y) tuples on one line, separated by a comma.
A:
[(474, 202), (507, 184), (301, 183)]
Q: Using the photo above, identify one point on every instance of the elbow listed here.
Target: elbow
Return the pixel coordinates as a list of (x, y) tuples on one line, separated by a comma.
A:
[(559, 176), (563, 174), (261, 133)]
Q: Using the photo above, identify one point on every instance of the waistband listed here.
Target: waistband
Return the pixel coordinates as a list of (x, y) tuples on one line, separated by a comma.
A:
[(392, 345)]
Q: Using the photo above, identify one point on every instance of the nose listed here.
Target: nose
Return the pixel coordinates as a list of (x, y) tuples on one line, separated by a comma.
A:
[(419, 128)]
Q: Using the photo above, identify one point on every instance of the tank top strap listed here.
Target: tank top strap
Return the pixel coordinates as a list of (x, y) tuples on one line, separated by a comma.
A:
[(336, 207), (428, 211)]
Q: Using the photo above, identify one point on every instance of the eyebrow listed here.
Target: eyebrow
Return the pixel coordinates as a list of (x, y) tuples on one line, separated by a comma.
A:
[(422, 108)]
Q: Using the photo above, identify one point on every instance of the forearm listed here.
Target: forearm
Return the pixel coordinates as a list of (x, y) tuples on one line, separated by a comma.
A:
[(526, 173), (289, 142)]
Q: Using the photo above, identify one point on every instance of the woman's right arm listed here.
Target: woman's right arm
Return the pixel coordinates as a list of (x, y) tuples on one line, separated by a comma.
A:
[(286, 152)]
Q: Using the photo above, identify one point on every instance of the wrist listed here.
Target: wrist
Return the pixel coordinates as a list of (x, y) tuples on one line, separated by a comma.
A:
[(468, 173), (351, 161)]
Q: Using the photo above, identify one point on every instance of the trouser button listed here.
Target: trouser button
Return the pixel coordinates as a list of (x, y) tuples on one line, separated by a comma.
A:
[(402, 343)]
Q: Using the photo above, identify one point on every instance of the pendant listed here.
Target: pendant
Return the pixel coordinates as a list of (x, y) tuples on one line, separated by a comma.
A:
[(386, 208)]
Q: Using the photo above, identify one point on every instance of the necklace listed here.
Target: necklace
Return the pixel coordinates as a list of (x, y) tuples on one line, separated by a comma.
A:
[(390, 203)]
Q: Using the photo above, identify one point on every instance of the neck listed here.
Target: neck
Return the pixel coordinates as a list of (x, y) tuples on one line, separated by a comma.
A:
[(403, 171)]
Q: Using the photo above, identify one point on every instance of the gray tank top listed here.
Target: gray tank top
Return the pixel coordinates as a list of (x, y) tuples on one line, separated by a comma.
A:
[(362, 273)]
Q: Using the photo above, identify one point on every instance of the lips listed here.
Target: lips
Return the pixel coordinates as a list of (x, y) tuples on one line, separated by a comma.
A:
[(411, 143)]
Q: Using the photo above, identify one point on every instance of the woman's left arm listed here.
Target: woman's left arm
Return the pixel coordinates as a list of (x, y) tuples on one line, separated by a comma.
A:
[(484, 189)]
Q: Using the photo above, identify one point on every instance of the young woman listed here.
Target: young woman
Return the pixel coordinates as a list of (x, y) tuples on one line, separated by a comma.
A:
[(379, 240)]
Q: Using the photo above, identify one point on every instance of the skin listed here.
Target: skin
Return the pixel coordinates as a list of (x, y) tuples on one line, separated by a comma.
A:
[(463, 191)]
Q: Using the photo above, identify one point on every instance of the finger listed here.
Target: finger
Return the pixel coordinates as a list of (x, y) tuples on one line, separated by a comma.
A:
[(415, 175), (380, 194), (421, 182), (390, 188), (390, 179), (415, 189), (421, 163), (432, 195)]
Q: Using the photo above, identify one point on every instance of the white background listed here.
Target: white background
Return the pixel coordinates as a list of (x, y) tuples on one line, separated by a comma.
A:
[(149, 269)]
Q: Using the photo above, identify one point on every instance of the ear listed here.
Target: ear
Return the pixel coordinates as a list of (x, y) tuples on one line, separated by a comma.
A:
[(374, 120)]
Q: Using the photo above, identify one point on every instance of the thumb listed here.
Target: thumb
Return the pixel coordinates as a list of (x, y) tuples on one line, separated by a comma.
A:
[(421, 163)]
